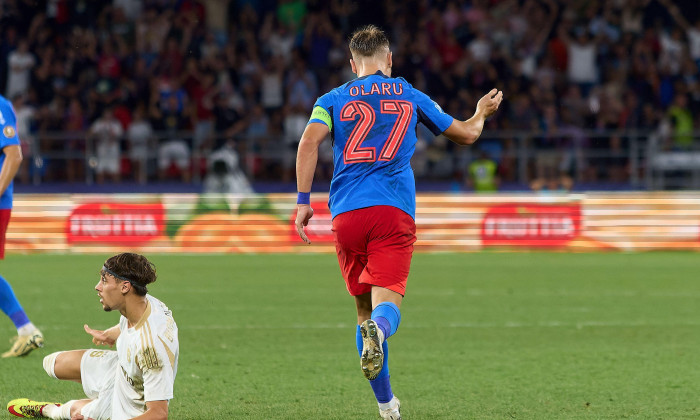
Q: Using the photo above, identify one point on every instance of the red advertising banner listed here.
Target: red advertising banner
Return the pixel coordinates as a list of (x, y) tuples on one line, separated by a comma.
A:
[(319, 227), (535, 225), (115, 223)]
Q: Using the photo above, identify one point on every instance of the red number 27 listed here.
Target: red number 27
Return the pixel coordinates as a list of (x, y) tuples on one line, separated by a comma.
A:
[(365, 116)]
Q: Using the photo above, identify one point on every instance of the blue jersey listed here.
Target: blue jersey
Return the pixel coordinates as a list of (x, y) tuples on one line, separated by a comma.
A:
[(9, 137), (372, 121)]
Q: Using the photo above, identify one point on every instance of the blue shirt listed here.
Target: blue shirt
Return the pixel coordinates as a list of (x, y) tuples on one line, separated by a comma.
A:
[(8, 137), (372, 121)]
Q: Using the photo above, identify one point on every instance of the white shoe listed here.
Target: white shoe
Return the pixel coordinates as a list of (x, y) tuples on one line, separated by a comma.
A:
[(391, 410), (372, 358)]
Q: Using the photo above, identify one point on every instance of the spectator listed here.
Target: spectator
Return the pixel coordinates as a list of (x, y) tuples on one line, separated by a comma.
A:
[(482, 176), (20, 63), (140, 138), (692, 32), (225, 175), (681, 122), (106, 133), (551, 161), (75, 124), (171, 117), (582, 50)]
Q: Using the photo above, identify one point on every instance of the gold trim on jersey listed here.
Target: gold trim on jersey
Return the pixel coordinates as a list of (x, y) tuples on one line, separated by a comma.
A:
[(149, 355), (171, 356), (145, 315)]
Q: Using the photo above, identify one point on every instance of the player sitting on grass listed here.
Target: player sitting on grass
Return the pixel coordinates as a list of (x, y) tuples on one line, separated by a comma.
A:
[(136, 380)]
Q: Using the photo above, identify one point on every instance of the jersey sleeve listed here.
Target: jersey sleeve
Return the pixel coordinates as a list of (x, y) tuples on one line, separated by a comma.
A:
[(157, 363), (8, 125), (322, 112), (431, 114)]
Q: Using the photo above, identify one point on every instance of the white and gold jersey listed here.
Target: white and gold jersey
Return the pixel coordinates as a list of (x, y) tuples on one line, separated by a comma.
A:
[(147, 354)]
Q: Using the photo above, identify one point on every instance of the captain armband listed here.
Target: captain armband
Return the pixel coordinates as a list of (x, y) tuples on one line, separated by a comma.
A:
[(321, 115)]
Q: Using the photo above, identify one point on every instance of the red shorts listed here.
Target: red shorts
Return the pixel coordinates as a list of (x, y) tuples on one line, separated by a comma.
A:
[(374, 246), (4, 221)]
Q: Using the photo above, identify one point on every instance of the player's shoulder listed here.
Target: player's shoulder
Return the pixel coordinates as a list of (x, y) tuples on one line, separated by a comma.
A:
[(335, 92), (408, 87), (159, 309), (5, 104)]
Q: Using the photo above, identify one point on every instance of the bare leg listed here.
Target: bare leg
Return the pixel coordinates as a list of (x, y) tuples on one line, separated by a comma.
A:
[(380, 294), (77, 406), (67, 365), (364, 307)]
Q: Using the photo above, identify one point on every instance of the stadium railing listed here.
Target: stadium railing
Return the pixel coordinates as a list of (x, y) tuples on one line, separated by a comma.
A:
[(645, 160)]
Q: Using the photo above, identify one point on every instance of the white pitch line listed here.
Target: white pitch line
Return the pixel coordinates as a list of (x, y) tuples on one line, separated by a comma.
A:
[(461, 325)]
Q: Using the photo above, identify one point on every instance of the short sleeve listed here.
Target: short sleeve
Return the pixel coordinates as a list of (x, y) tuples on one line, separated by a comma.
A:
[(8, 126), (431, 114), (157, 366), (322, 112)]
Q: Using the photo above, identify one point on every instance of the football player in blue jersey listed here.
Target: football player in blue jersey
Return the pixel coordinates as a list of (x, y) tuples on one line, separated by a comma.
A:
[(28, 336), (372, 122)]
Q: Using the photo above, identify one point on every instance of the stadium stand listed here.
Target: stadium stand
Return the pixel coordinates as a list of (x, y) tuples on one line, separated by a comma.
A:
[(599, 94)]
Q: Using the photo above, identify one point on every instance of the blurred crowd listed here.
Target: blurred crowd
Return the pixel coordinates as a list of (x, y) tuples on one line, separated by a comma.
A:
[(150, 89)]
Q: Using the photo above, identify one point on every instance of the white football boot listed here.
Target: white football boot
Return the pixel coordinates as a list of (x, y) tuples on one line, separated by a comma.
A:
[(390, 410)]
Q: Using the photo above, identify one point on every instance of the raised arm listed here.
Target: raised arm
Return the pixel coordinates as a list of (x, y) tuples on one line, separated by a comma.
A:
[(675, 12), (467, 132)]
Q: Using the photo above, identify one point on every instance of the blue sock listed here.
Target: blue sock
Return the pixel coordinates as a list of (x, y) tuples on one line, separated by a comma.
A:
[(381, 384), (10, 305), (388, 317)]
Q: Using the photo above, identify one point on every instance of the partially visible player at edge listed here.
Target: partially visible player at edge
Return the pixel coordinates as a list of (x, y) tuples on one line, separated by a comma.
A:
[(135, 381), (28, 336), (372, 121)]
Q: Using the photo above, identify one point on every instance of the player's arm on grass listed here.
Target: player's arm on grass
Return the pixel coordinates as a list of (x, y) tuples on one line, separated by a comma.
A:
[(104, 338), (307, 157), (467, 132), (155, 410)]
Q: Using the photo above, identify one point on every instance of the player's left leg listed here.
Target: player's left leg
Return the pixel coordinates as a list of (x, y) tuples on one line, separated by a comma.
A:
[(28, 336), (23, 407), (370, 341)]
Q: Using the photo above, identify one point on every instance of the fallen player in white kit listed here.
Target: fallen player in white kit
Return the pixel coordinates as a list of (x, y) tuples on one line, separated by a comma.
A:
[(135, 381)]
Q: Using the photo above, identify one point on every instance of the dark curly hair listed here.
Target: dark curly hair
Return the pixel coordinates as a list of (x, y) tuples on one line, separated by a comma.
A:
[(368, 41), (134, 268)]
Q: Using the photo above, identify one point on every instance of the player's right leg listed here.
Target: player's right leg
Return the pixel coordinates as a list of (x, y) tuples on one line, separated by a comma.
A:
[(28, 336), (64, 365), (381, 385)]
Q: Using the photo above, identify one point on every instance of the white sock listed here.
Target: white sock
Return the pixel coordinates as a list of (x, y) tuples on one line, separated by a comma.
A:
[(26, 329), (388, 405), (55, 412)]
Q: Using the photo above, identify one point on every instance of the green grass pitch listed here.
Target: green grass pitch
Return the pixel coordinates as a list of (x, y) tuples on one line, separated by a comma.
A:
[(483, 335)]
